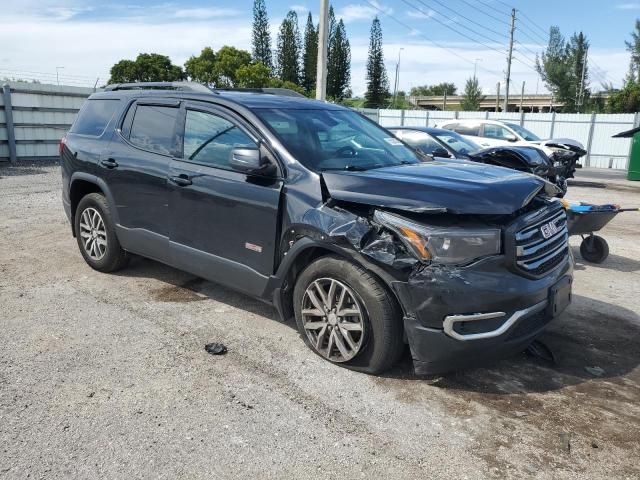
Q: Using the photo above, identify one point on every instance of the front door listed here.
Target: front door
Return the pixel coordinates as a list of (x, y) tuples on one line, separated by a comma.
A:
[(223, 223)]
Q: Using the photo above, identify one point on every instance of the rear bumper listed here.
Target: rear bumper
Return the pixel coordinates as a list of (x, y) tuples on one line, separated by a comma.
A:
[(463, 317)]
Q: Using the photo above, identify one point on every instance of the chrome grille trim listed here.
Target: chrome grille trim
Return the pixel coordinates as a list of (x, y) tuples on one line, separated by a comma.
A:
[(536, 255)]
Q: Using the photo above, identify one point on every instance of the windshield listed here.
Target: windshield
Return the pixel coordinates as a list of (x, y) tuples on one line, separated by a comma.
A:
[(523, 132), (457, 143), (336, 139)]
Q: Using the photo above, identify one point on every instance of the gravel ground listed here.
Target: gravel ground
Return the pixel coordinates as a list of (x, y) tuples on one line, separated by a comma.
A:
[(105, 376)]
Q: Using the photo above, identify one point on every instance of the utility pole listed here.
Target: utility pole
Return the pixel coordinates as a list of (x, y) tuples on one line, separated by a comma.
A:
[(498, 97), (522, 96), (323, 33), (58, 75), (509, 58), (580, 93), (395, 84), (444, 101)]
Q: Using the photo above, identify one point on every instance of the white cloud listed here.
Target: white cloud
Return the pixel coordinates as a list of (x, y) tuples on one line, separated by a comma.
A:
[(423, 15), (356, 12), (205, 13), (299, 9)]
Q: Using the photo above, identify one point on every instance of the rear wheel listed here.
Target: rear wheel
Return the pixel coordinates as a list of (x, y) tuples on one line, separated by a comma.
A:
[(96, 235), (345, 315)]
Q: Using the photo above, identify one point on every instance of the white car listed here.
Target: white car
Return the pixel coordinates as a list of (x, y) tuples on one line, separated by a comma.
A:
[(491, 133)]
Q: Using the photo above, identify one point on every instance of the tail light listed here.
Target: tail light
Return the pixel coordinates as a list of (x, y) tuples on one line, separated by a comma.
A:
[(63, 142)]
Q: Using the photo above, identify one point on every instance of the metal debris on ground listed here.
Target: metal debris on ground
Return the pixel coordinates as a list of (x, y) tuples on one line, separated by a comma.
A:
[(215, 348)]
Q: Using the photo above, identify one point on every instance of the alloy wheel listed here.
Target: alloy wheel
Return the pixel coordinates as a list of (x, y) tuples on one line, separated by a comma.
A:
[(93, 233), (333, 319)]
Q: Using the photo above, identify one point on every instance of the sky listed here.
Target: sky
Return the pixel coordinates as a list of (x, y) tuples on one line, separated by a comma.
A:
[(441, 40)]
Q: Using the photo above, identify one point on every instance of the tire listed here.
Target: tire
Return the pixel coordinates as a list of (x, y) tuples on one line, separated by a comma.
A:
[(379, 342), (594, 249), (96, 235)]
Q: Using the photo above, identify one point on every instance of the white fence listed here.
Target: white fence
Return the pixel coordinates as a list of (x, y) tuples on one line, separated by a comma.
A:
[(33, 117), (594, 131)]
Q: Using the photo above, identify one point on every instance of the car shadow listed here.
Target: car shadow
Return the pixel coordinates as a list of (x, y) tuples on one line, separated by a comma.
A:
[(613, 262), (182, 287), (591, 339)]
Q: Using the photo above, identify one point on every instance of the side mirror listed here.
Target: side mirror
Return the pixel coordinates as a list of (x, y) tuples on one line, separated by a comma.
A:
[(510, 137), (441, 152), (250, 161)]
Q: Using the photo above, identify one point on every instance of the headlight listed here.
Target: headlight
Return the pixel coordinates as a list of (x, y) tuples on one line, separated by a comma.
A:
[(444, 245)]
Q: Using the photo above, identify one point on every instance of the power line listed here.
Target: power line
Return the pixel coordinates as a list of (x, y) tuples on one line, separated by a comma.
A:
[(437, 44), (491, 7), (484, 12), (475, 40), (544, 31), (466, 18)]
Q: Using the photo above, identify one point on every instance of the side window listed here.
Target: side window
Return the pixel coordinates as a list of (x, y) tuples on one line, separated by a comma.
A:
[(209, 139), (94, 117), (473, 130), (422, 141), (153, 128), (496, 131)]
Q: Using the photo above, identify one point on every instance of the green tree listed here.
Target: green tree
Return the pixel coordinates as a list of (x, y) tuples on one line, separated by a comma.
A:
[(147, 67), (377, 82), (202, 68), (289, 49), (261, 37), (577, 50), (277, 83), (472, 96), (633, 47), (626, 100), (434, 90), (255, 75), (310, 55), (560, 67), (339, 64), (228, 61)]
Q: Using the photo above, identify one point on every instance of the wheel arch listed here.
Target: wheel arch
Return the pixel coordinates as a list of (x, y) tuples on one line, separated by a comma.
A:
[(81, 185), (304, 252)]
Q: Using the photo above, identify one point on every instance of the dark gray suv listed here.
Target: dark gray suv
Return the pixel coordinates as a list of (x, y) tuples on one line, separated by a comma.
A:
[(311, 206)]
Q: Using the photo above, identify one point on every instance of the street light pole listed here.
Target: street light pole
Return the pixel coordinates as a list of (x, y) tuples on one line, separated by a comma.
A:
[(475, 67), (323, 33), (395, 85)]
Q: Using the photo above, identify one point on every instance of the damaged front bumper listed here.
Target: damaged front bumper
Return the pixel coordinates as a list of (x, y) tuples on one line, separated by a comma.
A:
[(461, 317)]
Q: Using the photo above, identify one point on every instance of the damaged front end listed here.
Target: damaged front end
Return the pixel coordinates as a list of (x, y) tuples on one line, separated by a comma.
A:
[(466, 285)]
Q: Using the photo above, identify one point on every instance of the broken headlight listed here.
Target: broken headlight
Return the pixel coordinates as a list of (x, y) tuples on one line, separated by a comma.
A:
[(443, 245)]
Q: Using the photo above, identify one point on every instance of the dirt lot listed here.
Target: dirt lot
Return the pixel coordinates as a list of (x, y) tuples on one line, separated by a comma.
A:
[(105, 376)]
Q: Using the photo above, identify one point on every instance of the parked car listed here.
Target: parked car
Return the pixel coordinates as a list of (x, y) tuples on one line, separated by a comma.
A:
[(490, 133), (553, 160), (320, 211)]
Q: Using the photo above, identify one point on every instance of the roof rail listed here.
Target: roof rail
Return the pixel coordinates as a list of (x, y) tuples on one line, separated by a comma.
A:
[(182, 86), (284, 92)]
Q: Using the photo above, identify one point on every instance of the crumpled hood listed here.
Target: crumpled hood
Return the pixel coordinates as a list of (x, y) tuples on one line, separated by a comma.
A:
[(455, 186)]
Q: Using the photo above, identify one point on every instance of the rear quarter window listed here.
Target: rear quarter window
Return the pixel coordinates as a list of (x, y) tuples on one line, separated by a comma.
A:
[(94, 117), (473, 130)]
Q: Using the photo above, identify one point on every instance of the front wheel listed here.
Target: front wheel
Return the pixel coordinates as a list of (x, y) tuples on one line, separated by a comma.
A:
[(345, 315)]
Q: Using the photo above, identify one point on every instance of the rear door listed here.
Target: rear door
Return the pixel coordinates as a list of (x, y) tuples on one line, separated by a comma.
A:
[(137, 166), (223, 223)]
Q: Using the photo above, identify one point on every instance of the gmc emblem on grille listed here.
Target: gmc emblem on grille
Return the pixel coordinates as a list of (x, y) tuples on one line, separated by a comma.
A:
[(549, 229)]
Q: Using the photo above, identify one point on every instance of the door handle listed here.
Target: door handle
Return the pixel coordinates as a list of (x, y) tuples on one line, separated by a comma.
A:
[(180, 180), (109, 163)]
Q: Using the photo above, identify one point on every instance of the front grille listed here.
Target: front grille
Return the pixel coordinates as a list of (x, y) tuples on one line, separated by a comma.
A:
[(543, 245)]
